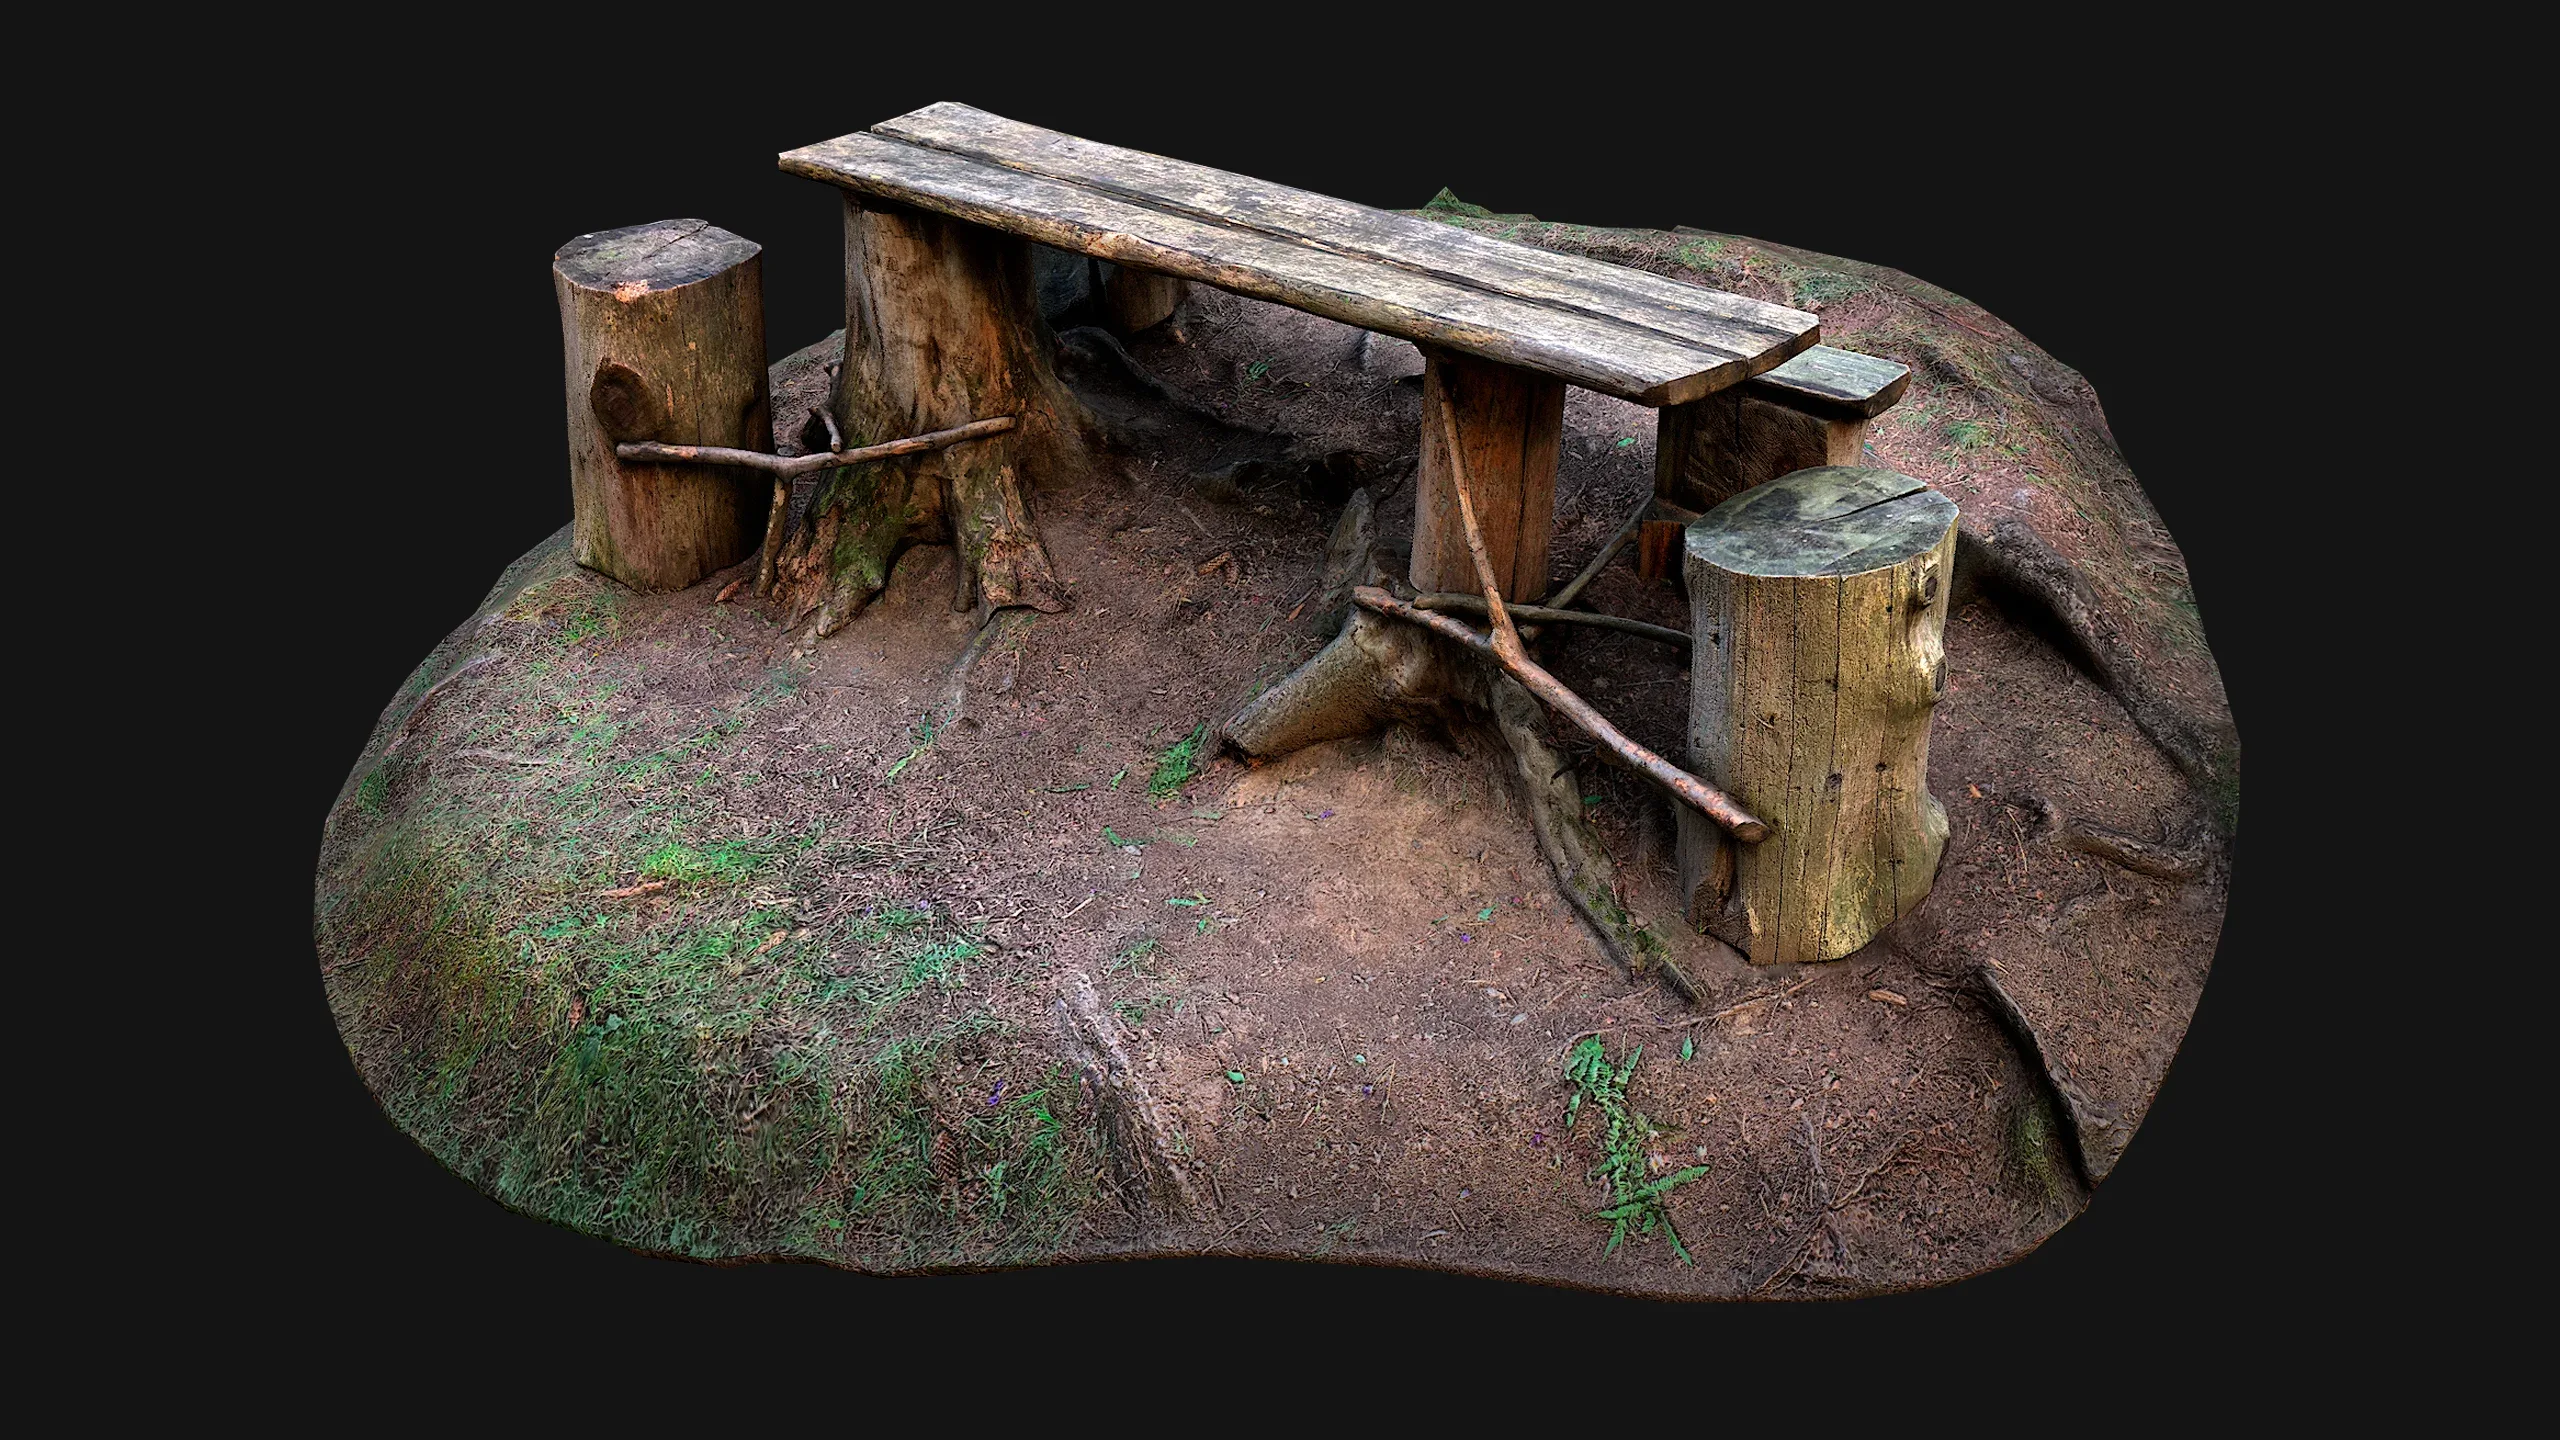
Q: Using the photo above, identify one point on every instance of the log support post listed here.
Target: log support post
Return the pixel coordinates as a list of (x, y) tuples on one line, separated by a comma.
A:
[(662, 330), (1135, 300), (1710, 450), (1810, 411), (1819, 606), (1511, 422)]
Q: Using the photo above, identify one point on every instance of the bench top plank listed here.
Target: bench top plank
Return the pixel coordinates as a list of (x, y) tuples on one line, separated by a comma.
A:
[(1842, 383), (1713, 319), (1579, 340)]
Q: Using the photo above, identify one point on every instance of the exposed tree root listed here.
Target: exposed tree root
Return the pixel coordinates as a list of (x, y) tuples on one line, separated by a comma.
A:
[(2018, 570), (1146, 1147), (1379, 672), (2162, 859), (2097, 1135), (1002, 626)]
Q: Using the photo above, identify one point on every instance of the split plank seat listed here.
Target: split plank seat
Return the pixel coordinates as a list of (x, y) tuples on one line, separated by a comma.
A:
[(1503, 327)]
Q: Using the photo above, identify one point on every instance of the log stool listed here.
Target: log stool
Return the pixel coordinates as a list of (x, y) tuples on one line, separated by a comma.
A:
[(1819, 606), (662, 328)]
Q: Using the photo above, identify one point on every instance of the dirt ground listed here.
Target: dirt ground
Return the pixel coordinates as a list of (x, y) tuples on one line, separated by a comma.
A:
[(654, 918)]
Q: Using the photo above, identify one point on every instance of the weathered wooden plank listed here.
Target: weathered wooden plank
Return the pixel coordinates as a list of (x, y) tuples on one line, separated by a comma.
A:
[(1840, 384), (1694, 314), (1614, 358)]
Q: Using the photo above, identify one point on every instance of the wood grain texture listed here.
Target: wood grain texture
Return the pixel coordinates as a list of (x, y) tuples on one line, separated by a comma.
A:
[(1818, 614), (1511, 422), (1710, 450), (942, 329), (1718, 320), (1834, 383), (662, 339), (1589, 349)]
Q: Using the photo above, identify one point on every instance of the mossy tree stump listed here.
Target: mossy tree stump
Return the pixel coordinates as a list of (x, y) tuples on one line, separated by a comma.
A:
[(1819, 609), (662, 329), (942, 327)]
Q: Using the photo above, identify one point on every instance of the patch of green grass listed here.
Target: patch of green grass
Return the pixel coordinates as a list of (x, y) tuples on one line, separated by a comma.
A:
[(727, 863), (922, 735), (1698, 252), (1136, 954), (1634, 1201), (1823, 287), (1178, 764), (1967, 434), (593, 615), (372, 792)]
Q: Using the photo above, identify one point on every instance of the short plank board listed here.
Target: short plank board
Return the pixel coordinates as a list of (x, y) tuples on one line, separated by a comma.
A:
[(1730, 324), (1836, 384), (1613, 356), (1829, 520)]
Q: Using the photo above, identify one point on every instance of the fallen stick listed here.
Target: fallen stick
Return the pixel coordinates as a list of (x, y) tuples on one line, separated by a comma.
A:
[(1708, 800), (792, 466), (1506, 638), (1600, 561), (1543, 615)]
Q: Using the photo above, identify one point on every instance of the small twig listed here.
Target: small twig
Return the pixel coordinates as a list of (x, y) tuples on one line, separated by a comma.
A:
[(503, 757), (1506, 638), (1544, 615), (1873, 1171), (774, 518), (1599, 562), (1708, 800), (1730, 1010), (792, 466), (627, 891)]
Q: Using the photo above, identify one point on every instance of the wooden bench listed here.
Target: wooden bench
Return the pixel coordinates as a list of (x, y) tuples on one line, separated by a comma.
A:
[(1504, 327), (1811, 411)]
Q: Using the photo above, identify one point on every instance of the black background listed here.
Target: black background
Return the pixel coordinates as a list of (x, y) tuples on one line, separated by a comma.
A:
[(427, 193)]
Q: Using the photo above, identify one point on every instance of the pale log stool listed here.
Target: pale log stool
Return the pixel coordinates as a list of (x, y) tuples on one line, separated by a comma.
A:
[(662, 329), (1812, 410), (1819, 607)]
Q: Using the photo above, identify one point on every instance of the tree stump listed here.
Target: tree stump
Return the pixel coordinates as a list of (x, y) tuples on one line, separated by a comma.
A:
[(662, 327), (942, 327), (1511, 422), (1135, 300), (1819, 602)]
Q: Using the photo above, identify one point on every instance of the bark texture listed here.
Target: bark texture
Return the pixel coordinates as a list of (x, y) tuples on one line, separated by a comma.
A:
[(1710, 450), (662, 334), (942, 327)]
